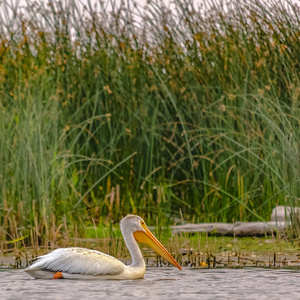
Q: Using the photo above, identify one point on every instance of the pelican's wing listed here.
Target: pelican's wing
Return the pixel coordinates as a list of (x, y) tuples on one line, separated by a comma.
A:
[(78, 261)]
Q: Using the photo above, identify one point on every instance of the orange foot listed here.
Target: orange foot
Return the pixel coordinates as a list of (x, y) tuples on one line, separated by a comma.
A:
[(58, 275)]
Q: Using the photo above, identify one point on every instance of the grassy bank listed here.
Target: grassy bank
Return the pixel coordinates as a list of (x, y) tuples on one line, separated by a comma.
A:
[(196, 250), (194, 112)]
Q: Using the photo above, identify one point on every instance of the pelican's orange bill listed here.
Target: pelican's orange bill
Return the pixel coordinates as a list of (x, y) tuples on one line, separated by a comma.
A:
[(146, 237)]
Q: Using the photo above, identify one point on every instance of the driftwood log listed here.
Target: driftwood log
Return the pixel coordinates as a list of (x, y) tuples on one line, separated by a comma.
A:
[(280, 220), (237, 229)]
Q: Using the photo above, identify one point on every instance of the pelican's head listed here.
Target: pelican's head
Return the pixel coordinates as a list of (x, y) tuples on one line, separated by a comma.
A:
[(137, 226)]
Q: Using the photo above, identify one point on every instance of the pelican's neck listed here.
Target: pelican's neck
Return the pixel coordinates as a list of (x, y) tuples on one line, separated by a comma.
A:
[(135, 252)]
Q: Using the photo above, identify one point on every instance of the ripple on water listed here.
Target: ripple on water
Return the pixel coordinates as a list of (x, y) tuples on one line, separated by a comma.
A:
[(161, 283)]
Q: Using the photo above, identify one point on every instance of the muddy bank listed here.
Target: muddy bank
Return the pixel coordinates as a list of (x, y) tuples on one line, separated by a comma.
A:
[(189, 258)]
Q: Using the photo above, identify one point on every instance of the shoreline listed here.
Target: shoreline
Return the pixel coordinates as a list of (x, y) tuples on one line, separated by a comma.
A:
[(228, 259)]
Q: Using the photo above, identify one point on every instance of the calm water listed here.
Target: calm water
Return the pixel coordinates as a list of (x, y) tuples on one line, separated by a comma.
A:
[(161, 283)]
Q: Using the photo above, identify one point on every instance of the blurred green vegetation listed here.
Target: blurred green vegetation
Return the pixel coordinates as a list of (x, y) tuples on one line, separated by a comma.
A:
[(191, 112)]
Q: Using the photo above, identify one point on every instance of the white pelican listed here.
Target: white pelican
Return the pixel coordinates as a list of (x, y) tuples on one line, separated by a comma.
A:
[(80, 263)]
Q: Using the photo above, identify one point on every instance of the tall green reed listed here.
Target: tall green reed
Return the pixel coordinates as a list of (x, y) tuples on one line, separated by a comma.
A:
[(193, 110)]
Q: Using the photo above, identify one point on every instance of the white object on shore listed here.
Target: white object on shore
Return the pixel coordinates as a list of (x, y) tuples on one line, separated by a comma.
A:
[(282, 213)]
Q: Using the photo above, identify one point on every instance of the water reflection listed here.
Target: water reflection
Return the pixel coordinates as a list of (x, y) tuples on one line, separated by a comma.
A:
[(161, 283)]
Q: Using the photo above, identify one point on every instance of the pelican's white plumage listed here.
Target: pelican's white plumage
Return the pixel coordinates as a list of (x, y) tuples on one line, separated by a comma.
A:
[(76, 261), (80, 263)]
